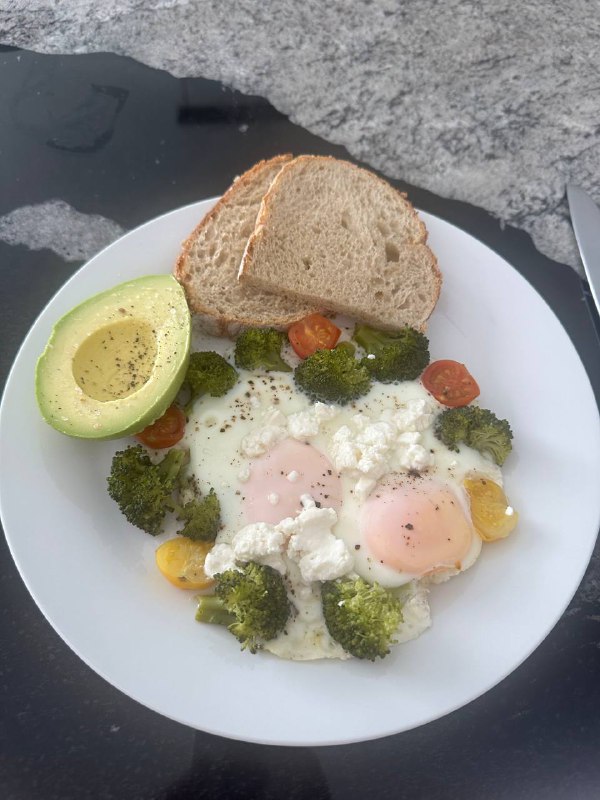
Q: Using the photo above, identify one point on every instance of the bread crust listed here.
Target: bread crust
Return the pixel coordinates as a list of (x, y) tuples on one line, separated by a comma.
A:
[(208, 318), (245, 272)]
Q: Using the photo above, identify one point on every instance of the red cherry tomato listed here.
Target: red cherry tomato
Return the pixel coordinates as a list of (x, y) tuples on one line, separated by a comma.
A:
[(313, 333), (166, 431), (450, 382)]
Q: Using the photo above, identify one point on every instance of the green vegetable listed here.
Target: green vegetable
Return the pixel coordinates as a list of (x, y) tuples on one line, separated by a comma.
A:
[(146, 492), (208, 373), (332, 376), (476, 427), (399, 355), (360, 616), (202, 518), (260, 348), (252, 603)]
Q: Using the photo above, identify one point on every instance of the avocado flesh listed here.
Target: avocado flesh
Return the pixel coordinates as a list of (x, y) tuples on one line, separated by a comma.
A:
[(114, 363)]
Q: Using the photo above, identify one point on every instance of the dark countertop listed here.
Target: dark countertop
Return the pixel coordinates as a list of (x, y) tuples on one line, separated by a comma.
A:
[(104, 137)]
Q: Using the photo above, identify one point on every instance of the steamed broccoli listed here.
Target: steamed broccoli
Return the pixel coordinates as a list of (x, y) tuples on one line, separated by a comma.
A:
[(399, 355), (360, 616), (260, 348), (208, 373), (251, 602), (145, 492), (202, 517), (476, 427), (333, 376), (142, 489)]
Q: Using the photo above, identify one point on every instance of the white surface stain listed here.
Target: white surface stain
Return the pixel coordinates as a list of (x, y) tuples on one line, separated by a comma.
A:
[(467, 100), (59, 227)]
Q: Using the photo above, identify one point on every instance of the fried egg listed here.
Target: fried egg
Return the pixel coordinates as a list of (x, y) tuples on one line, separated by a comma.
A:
[(264, 445)]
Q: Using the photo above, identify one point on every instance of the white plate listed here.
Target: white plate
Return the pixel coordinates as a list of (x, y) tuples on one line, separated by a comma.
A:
[(94, 577)]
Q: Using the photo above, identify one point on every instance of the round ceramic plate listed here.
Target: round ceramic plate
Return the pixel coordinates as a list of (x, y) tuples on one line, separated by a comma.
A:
[(94, 576)]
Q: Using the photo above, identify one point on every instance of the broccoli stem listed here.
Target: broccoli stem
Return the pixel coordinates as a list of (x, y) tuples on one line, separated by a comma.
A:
[(173, 462), (212, 609)]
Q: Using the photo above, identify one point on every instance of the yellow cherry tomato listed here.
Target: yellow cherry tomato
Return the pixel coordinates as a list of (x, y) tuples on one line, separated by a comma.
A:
[(181, 561), (491, 513)]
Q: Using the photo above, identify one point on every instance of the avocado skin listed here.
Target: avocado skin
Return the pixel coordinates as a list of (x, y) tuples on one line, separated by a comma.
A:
[(162, 303)]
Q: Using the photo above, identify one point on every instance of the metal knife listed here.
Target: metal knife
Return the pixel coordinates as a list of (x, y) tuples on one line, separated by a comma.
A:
[(585, 218)]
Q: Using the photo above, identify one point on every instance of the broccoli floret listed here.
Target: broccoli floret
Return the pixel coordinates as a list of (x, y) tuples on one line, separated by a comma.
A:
[(260, 348), (476, 427), (399, 355), (142, 489), (145, 492), (208, 373), (251, 602), (360, 616), (202, 518), (333, 376)]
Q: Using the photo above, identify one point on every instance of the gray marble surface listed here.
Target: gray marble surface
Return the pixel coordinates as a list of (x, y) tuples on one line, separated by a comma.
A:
[(487, 102)]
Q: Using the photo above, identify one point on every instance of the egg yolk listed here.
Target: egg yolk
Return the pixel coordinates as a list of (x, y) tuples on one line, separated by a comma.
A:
[(417, 527), (279, 478)]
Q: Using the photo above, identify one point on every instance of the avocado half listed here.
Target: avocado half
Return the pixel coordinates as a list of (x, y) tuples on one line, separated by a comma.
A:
[(114, 363)]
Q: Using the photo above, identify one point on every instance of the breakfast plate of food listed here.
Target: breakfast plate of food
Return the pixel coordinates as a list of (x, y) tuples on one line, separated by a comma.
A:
[(300, 465)]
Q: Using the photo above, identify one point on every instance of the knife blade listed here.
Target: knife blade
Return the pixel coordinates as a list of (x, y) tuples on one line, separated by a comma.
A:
[(585, 218)]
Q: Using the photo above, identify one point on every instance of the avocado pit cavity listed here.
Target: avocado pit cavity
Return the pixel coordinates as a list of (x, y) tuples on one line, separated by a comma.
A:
[(115, 360)]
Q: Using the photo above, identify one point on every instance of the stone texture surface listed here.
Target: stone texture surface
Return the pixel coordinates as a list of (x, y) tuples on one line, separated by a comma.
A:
[(486, 102), (59, 227)]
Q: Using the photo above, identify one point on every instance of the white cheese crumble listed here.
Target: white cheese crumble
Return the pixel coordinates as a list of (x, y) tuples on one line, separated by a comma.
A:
[(370, 449), (293, 476), (244, 474), (320, 555), (276, 427), (307, 541), (273, 498), (273, 431), (220, 559)]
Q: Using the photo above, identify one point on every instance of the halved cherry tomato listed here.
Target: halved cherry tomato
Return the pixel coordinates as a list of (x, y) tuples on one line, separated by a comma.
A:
[(313, 333), (450, 382), (166, 431), (492, 516), (181, 561)]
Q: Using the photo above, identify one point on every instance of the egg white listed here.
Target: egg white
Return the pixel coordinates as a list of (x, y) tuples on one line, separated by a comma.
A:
[(214, 435)]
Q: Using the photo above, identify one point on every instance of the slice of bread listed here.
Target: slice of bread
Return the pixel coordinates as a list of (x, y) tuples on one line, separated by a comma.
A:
[(210, 258), (337, 236)]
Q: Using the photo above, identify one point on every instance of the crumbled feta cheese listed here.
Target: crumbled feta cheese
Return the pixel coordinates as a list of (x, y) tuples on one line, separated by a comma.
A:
[(319, 554), (417, 415), (293, 476), (415, 456), (260, 542), (276, 427), (273, 498), (302, 425), (220, 559), (509, 511), (306, 539), (324, 413), (370, 356), (273, 431), (307, 501), (244, 474), (368, 450)]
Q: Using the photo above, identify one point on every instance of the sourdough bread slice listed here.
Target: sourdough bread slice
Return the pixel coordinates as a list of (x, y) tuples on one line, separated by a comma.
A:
[(337, 236), (210, 258)]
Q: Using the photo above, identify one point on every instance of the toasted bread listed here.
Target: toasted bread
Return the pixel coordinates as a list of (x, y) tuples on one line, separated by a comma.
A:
[(332, 235)]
